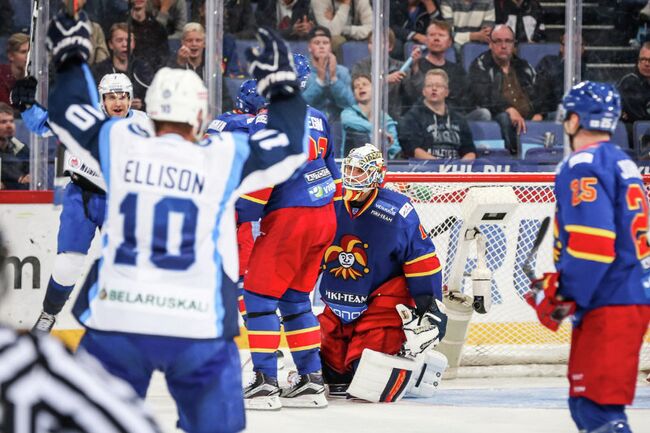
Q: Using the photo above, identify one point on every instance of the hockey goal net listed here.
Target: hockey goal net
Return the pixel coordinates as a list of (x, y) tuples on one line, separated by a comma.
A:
[(509, 333)]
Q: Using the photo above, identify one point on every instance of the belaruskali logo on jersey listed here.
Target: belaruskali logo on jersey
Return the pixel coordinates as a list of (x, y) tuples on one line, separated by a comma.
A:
[(349, 260)]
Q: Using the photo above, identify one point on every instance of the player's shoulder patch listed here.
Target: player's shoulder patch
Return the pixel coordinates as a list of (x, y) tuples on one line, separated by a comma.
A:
[(394, 203), (406, 209), (580, 158)]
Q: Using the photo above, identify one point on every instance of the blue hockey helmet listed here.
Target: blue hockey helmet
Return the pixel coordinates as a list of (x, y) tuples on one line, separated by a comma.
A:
[(597, 104), (248, 100), (303, 69)]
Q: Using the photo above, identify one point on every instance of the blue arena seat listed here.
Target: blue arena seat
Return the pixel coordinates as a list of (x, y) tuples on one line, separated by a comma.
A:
[(620, 136), (174, 45), (541, 134), (470, 51), (543, 155), (232, 87), (300, 47), (353, 51), (486, 135), (533, 53), (641, 134), (450, 54), (242, 44), (22, 15)]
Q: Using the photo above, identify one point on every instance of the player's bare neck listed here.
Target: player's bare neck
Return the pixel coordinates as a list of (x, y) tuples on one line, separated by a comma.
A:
[(586, 139), (182, 129)]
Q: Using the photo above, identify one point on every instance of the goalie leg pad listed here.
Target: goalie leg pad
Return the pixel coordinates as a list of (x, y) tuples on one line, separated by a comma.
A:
[(427, 378), (381, 377)]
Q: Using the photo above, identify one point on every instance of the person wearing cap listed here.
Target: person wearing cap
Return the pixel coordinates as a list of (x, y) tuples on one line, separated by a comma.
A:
[(328, 88)]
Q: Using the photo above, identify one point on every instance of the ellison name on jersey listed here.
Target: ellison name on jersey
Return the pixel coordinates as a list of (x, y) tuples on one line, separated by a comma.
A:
[(163, 176)]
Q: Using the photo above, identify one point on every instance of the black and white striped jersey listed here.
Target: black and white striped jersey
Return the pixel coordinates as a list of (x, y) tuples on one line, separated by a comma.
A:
[(45, 388)]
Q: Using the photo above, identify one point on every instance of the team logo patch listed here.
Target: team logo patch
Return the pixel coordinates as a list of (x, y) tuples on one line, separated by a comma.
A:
[(74, 161), (349, 260), (406, 209)]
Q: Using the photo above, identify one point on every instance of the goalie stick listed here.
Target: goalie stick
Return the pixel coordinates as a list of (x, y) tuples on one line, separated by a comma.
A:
[(442, 227), (527, 266)]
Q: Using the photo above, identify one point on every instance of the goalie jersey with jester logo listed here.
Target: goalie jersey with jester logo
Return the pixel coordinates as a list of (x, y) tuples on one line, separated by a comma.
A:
[(375, 243)]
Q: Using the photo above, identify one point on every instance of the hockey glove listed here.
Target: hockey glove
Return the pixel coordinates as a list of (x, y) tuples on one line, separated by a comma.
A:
[(68, 38), (551, 309), (272, 65), (422, 331), (23, 95)]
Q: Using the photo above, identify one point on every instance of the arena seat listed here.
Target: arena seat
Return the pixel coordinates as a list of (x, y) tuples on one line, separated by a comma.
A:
[(486, 134), (533, 53), (470, 51), (541, 134), (641, 134), (353, 51)]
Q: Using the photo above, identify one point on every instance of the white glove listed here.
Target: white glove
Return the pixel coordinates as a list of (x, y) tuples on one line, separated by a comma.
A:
[(423, 331)]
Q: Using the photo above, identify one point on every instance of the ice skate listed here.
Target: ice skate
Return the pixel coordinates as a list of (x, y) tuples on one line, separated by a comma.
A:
[(305, 390), (44, 324), (263, 393)]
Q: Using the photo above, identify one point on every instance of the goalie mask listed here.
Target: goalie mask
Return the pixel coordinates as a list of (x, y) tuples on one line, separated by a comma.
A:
[(118, 84), (363, 170)]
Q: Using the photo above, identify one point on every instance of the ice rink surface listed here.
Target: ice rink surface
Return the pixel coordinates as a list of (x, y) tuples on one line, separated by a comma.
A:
[(495, 405)]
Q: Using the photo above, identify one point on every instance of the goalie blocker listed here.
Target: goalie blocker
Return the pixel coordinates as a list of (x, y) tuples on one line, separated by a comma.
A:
[(389, 378)]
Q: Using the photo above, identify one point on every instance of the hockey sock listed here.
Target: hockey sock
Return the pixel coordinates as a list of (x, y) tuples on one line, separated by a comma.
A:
[(599, 418), (263, 325), (302, 330), (56, 297), (240, 299)]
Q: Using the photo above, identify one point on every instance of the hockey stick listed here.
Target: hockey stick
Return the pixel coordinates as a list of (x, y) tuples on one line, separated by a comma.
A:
[(527, 267), (32, 37), (442, 227)]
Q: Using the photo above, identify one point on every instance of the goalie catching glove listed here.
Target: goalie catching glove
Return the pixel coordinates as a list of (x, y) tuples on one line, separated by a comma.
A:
[(423, 327), (272, 65), (550, 308)]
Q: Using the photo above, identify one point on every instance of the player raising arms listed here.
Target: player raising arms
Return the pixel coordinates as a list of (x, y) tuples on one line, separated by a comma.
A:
[(382, 287), (84, 196), (602, 262), (298, 223), (163, 294)]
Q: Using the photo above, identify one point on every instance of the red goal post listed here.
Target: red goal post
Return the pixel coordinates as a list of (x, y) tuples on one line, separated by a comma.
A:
[(509, 333)]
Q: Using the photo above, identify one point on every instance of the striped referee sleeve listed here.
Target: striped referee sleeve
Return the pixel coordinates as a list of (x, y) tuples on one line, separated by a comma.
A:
[(44, 388)]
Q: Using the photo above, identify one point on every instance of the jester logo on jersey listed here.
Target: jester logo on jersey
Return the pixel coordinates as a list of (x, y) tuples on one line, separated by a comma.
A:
[(348, 260)]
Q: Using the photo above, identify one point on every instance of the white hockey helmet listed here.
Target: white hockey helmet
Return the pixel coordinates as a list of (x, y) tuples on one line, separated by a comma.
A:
[(363, 169), (178, 95), (114, 83)]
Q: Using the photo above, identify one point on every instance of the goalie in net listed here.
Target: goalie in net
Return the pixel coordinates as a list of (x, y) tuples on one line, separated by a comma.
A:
[(381, 284)]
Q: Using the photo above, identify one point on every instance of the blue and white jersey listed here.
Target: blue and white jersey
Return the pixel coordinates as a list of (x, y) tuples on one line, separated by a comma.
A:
[(169, 261)]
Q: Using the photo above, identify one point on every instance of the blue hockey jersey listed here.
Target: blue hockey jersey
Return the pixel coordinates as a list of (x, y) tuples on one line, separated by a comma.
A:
[(380, 241), (230, 121), (601, 229), (319, 181)]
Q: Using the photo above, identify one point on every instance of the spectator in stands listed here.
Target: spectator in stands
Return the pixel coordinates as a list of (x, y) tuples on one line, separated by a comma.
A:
[(150, 36), (13, 154), (17, 48), (472, 21), (294, 19), (356, 120), (191, 54), (410, 20), (524, 17), (171, 14), (107, 12), (549, 84), (345, 19), (396, 78), (439, 40), (504, 84), (432, 129), (142, 74), (635, 90), (6, 17), (239, 19), (328, 88)]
